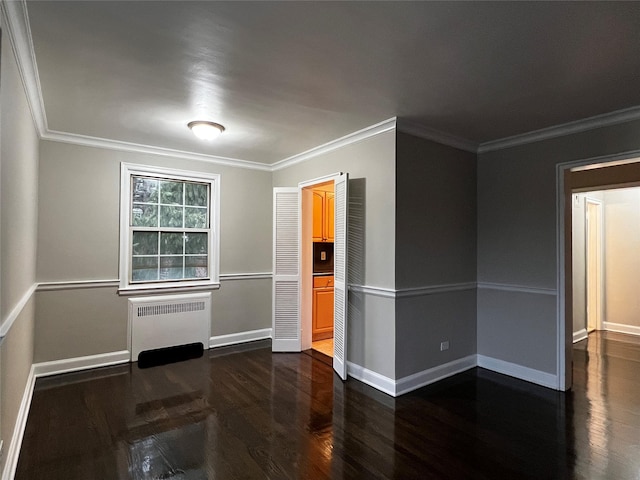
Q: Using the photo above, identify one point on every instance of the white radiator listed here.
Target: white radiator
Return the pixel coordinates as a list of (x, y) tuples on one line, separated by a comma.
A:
[(168, 320)]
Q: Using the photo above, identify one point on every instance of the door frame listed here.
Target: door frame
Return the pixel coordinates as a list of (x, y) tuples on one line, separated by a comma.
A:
[(564, 270), (599, 261)]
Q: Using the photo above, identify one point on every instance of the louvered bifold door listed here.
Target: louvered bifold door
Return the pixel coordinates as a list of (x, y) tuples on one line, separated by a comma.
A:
[(340, 278), (286, 270)]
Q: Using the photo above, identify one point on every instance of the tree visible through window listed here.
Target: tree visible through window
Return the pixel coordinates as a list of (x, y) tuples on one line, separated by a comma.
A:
[(169, 228)]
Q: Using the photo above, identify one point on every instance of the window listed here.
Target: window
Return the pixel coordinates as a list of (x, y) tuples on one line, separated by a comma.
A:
[(168, 229)]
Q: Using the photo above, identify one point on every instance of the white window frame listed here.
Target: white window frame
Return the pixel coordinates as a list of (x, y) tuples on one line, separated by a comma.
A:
[(129, 170)]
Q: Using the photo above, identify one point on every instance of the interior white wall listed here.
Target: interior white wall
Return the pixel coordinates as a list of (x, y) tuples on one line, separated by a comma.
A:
[(622, 258), (18, 236)]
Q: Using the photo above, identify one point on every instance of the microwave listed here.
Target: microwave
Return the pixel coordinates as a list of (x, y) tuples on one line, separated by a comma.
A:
[(322, 257)]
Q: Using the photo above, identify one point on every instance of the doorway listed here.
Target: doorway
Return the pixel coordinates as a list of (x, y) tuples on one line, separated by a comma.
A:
[(293, 266), (593, 264), (604, 173)]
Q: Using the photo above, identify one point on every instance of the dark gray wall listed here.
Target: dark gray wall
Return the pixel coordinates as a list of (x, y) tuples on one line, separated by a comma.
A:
[(435, 247), (517, 241)]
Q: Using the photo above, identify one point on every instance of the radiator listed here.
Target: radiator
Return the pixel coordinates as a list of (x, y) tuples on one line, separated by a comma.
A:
[(168, 320)]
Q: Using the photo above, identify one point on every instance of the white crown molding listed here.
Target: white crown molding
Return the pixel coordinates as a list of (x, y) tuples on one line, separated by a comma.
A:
[(352, 138), (19, 33), (105, 143), (437, 136), (577, 126)]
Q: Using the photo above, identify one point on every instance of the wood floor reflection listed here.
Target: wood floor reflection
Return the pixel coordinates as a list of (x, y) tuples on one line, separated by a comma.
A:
[(243, 412)]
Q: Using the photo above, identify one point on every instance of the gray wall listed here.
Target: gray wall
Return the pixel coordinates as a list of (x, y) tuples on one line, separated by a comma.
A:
[(18, 223), (435, 246), (370, 164), (78, 240), (517, 241)]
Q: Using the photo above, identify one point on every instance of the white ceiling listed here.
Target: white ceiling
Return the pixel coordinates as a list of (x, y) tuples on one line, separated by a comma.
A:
[(284, 77)]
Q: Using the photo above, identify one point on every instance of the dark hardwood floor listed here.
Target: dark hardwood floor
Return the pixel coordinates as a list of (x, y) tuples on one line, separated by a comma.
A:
[(243, 412)]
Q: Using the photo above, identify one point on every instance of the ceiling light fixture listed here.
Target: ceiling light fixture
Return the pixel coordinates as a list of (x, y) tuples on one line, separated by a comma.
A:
[(205, 130)]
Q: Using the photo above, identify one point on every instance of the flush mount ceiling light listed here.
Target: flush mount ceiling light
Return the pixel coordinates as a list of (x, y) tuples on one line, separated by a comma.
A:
[(205, 130)]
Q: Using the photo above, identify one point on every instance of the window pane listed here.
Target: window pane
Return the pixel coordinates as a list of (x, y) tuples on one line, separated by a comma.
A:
[(195, 217), (144, 215), (171, 192), (196, 243), (171, 268), (196, 194), (145, 243), (171, 243), (196, 267), (145, 190), (171, 217), (144, 269)]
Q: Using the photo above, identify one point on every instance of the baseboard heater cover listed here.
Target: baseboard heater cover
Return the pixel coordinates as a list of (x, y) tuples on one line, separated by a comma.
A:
[(164, 321), (163, 356)]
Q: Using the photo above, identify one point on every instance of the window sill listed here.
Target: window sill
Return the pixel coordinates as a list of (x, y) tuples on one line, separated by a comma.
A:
[(155, 289)]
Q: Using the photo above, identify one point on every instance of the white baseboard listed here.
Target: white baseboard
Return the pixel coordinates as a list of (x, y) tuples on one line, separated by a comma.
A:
[(580, 335), (432, 375), (371, 378), (621, 328), (538, 377), (55, 367), (242, 337), (13, 452)]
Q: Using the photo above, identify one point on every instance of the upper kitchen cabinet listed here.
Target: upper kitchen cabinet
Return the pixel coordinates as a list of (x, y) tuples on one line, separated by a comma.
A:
[(323, 214)]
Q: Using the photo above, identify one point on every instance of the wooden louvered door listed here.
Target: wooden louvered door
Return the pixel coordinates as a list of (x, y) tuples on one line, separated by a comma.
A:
[(340, 277), (286, 270)]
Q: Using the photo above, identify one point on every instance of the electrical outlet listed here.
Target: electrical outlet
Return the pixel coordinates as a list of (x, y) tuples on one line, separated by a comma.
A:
[(444, 346)]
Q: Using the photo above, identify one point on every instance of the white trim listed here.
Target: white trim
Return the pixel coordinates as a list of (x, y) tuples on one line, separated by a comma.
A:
[(437, 136), (431, 290), (435, 374), (371, 378), (538, 377), (413, 291), (569, 128), (245, 276), (505, 287), (127, 171), (114, 283), (153, 290), (16, 311), (375, 291), (580, 335), (349, 139), (56, 367), (19, 33), (18, 430), (621, 328), (105, 143), (601, 258), (76, 285), (242, 337)]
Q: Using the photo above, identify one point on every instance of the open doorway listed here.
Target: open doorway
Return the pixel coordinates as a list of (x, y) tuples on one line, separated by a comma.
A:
[(320, 213), (293, 272), (612, 176)]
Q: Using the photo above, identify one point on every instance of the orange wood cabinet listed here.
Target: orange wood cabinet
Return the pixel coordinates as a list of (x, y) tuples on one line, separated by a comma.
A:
[(322, 308), (323, 216)]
